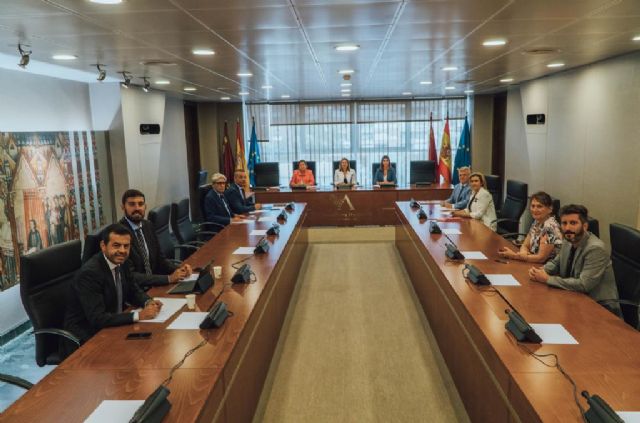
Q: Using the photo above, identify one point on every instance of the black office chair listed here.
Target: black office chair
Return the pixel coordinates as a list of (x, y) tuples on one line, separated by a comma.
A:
[(494, 186), (202, 177), (92, 244), (160, 217), (555, 208), (267, 174), (311, 165), (593, 226), (336, 163), (514, 205), (422, 171), (45, 281), (17, 381), (183, 228), (374, 168), (625, 258)]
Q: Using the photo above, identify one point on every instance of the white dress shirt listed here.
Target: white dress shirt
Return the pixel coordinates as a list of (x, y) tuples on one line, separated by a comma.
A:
[(339, 177), (112, 267)]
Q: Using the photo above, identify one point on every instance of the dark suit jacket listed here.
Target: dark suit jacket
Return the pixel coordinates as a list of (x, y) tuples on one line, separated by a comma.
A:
[(237, 204), (160, 266), (214, 209), (93, 300)]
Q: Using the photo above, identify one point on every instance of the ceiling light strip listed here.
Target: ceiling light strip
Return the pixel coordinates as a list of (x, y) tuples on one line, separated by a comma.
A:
[(307, 40), (385, 40)]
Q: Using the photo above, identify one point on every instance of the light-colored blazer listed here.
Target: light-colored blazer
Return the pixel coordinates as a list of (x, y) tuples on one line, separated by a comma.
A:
[(339, 176), (591, 273), (481, 207)]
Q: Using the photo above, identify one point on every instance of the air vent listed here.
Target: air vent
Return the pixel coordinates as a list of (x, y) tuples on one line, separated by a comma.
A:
[(541, 51), (158, 63)]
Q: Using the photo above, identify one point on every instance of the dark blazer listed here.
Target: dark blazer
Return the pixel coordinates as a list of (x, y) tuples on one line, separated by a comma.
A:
[(93, 300), (237, 204), (160, 266), (391, 176), (215, 210)]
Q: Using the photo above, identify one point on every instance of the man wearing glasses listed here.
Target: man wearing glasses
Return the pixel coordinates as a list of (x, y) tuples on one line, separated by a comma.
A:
[(216, 208)]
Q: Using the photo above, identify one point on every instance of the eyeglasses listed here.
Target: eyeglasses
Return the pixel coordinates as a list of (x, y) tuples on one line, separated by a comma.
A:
[(220, 182)]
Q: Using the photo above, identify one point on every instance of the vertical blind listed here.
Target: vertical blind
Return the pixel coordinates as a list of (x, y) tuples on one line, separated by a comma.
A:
[(363, 131)]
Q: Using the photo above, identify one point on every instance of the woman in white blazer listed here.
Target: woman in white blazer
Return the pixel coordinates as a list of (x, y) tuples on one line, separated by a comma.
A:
[(344, 175), (480, 204)]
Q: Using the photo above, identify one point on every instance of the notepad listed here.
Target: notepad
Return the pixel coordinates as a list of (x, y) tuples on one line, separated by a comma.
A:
[(244, 250), (191, 278), (474, 255), (258, 232), (188, 320), (451, 231), (268, 219), (553, 333), (502, 280), (169, 307), (110, 411)]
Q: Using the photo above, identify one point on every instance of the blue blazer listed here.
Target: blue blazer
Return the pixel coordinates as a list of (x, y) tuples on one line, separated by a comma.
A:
[(236, 203), (391, 176), (214, 208), (460, 196)]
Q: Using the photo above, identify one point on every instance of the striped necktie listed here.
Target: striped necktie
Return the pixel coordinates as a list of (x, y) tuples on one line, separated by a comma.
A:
[(143, 249), (118, 280), (225, 204)]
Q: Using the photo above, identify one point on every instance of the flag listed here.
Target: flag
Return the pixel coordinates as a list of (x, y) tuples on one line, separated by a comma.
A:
[(463, 152), (241, 160), (433, 154), (227, 155), (444, 166), (254, 154)]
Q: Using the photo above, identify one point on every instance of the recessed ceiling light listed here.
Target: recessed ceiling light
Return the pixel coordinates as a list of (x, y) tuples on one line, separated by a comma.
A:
[(493, 43), (64, 57), (346, 95), (285, 96), (162, 82), (243, 93), (346, 71), (468, 91), (450, 87), (347, 47), (225, 98), (106, 1), (636, 38), (425, 82), (345, 84), (190, 88), (203, 52), (555, 65), (245, 74), (406, 93), (507, 80), (450, 68), (267, 87), (345, 90)]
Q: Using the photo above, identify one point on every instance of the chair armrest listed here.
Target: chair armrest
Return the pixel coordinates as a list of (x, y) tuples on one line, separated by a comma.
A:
[(59, 332), (513, 235), (214, 224), (613, 300), (196, 244), (17, 381), (504, 219)]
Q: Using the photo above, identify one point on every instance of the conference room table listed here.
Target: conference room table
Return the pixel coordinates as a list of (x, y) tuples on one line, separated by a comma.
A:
[(356, 206), (222, 381), (497, 378)]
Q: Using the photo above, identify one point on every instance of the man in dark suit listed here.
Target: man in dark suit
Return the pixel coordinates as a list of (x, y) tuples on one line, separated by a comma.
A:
[(238, 201), (216, 208), (104, 286), (146, 258)]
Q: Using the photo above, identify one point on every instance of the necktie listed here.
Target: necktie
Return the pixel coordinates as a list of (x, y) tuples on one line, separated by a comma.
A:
[(143, 248), (242, 193), (225, 205), (572, 254), (471, 201), (118, 280)]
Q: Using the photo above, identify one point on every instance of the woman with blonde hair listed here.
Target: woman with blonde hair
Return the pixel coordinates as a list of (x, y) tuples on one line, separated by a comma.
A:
[(480, 205)]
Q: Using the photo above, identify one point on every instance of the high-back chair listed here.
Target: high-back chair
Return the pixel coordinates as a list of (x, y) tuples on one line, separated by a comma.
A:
[(625, 258)]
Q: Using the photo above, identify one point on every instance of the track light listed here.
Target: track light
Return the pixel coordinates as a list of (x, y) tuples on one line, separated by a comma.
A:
[(24, 56), (147, 85), (127, 79), (102, 74)]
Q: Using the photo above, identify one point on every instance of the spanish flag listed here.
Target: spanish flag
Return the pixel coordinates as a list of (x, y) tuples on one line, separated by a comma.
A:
[(444, 165), (241, 160)]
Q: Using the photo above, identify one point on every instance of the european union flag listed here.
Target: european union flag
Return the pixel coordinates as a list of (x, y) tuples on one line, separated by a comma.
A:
[(463, 152), (254, 155)]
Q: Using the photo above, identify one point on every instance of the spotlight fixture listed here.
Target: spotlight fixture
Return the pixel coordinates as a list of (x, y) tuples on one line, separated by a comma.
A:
[(127, 79), (24, 56), (102, 74), (147, 85)]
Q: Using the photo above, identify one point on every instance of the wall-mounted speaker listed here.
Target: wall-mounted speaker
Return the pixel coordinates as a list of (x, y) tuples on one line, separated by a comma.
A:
[(538, 119), (149, 128)]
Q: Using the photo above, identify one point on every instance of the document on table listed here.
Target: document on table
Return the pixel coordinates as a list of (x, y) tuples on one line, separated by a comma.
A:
[(244, 250), (169, 307), (502, 280), (447, 209), (474, 255), (241, 222), (188, 320), (629, 416), (451, 231), (268, 219), (553, 333), (111, 411), (191, 278), (429, 202), (258, 232)]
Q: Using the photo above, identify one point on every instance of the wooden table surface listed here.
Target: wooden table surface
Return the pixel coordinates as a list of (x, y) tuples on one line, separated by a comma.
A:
[(607, 349), (110, 367)]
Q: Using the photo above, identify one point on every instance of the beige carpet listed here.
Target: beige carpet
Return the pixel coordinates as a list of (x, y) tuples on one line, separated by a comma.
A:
[(356, 346)]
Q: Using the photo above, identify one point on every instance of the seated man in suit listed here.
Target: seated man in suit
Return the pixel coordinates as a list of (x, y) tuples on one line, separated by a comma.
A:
[(461, 192), (216, 208), (104, 286), (238, 202), (582, 264), (148, 263)]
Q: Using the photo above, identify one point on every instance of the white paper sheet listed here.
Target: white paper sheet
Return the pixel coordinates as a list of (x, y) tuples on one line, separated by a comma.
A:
[(629, 416), (451, 231), (258, 232), (474, 255), (188, 320), (429, 202), (447, 209), (191, 278), (502, 280), (169, 307), (553, 333), (268, 218), (241, 222), (111, 411), (244, 250)]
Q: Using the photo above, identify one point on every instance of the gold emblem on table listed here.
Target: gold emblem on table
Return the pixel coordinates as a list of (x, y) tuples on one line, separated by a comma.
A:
[(345, 199)]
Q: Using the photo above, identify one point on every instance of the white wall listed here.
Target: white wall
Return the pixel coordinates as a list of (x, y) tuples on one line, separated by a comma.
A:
[(588, 151)]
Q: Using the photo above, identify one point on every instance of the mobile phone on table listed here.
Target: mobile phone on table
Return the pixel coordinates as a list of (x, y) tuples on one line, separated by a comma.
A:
[(138, 335)]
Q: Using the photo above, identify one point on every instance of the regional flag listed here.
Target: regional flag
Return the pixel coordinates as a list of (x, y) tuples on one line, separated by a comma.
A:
[(463, 152), (444, 166), (254, 154), (241, 160), (433, 154), (227, 155)]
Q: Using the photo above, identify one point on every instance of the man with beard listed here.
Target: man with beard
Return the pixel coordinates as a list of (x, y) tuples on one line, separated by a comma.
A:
[(103, 287), (146, 257), (582, 264)]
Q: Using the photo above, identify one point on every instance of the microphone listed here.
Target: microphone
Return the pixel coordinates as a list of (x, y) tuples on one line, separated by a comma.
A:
[(282, 216), (290, 206), (421, 213), (434, 228), (262, 246), (519, 328), (274, 229), (452, 250), (154, 408), (599, 411), (475, 275), (413, 204)]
